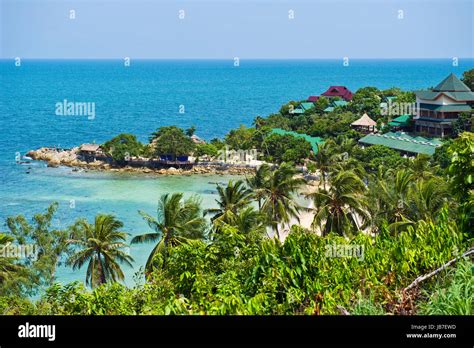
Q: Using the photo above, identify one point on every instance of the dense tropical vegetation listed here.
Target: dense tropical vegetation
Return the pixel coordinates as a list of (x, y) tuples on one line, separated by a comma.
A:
[(249, 254)]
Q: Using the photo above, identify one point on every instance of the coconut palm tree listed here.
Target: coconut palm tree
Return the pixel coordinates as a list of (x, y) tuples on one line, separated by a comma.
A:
[(100, 244), (342, 207), (345, 144), (277, 193), (234, 197), (325, 159), (421, 168), (428, 197), (395, 194), (391, 193), (344, 163), (178, 221), (257, 182), (249, 220)]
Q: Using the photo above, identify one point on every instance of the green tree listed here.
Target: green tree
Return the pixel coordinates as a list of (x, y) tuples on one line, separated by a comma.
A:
[(463, 123), (12, 274), (441, 155), (421, 167), (101, 246), (249, 221), (178, 221), (321, 104), (278, 203), (291, 105), (325, 159), (206, 149), (427, 197), (341, 208), (241, 138), (286, 148), (468, 78), (190, 131), (461, 169), (376, 155), (171, 140), (259, 122), (405, 97), (123, 146), (366, 100), (461, 174), (391, 191), (231, 199), (257, 183), (50, 244)]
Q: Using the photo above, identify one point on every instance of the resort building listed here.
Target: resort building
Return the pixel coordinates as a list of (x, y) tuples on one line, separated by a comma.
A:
[(440, 107), (338, 91), (402, 142), (89, 152), (302, 108), (401, 122), (313, 98), (364, 124), (314, 141), (334, 104)]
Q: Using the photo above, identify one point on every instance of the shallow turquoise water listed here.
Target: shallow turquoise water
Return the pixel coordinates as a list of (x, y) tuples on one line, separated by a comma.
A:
[(93, 192), (216, 97)]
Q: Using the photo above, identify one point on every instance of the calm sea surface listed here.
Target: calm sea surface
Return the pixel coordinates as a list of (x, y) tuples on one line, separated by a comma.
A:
[(214, 95)]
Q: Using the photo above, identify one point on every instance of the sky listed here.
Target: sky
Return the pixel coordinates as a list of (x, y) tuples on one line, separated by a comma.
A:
[(223, 29)]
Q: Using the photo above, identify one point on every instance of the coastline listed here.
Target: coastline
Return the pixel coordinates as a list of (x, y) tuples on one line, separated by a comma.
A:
[(69, 158)]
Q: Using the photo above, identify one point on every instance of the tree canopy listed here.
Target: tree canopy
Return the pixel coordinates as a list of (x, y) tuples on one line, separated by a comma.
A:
[(171, 140)]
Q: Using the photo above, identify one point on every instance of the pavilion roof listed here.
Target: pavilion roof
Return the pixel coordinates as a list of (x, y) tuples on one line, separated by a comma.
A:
[(365, 121)]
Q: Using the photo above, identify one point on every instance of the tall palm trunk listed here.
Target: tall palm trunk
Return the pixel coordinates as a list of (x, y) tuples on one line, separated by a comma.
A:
[(101, 269)]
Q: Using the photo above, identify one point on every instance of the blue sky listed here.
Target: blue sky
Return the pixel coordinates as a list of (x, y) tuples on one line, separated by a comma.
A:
[(245, 29)]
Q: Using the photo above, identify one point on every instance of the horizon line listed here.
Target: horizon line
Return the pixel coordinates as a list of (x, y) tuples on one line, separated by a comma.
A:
[(240, 58)]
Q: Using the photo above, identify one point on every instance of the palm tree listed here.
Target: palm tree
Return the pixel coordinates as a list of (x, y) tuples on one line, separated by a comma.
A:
[(324, 159), (277, 193), (101, 245), (428, 197), (258, 122), (249, 220), (234, 197), (339, 208), (391, 193), (344, 163), (396, 194), (257, 182), (178, 221), (345, 144), (420, 167)]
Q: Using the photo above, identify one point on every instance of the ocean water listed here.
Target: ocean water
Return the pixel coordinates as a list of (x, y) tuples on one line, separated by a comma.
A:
[(215, 96)]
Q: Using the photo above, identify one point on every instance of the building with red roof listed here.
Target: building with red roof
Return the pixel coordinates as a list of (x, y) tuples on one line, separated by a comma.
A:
[(338, 91)]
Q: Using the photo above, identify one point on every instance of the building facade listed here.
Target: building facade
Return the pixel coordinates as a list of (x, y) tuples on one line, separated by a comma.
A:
[(440, 107)]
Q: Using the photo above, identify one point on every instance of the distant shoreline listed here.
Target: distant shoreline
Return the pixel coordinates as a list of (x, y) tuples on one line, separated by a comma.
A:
[(68, 158)]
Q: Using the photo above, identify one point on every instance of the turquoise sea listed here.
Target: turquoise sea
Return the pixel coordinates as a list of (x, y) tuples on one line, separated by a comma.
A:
[(215, 96)]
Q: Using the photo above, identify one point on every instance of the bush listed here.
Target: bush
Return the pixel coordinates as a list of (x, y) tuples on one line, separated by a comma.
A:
[(172, 141), (123, 146), (454, 295)]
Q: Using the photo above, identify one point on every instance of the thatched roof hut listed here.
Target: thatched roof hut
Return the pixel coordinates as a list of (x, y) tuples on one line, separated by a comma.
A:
[(89, 147), (365, 123)]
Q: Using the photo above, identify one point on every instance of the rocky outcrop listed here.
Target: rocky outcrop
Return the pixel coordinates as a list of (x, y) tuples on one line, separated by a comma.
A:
[(69, 158)]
